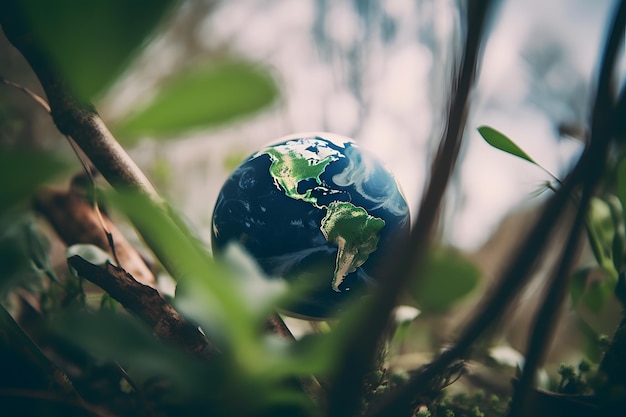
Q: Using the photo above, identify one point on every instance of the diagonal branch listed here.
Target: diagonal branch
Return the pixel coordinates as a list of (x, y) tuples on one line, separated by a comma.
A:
[(73, 117), (146, 303)]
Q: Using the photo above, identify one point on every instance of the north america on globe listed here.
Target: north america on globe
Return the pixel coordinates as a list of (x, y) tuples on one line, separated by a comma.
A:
[(312, 207)]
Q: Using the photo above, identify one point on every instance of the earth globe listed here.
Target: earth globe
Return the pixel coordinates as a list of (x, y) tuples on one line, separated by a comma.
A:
[(313, 207)]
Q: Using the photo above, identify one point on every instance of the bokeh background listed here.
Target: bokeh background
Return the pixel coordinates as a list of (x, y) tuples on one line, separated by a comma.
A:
[(378, 71)]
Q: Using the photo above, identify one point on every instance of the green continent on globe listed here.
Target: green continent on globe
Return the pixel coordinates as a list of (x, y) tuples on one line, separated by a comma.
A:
[(292, 163), (356, 234)]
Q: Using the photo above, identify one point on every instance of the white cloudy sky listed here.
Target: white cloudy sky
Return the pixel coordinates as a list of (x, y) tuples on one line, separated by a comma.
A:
[(389, 96)]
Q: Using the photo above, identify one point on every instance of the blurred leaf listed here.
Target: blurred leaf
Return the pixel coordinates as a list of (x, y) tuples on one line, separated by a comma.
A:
[(592, 348), (592, 287), (23, 171), (90, 42), (200, 97), (231, 306), (38, 247), (445, 278), (503, 143), (601, 231), (597, 295), (199, 388), (23, 253), (578, 284), (122, 338), (619, 232), (207, 291)]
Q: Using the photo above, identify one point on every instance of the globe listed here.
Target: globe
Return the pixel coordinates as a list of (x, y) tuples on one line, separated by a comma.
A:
[(316, 210)]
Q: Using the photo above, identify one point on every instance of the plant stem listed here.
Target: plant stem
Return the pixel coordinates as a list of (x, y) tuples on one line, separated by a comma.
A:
[(368, 331)]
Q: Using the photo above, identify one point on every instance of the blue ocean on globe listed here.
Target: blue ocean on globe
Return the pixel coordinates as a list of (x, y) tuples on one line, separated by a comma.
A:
[(313, 207)]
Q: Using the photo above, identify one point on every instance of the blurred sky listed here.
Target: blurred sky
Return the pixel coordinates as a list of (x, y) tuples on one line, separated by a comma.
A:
[(377, 71)]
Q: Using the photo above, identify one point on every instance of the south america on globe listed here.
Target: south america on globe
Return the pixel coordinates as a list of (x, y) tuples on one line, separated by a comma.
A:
[(313, 207)]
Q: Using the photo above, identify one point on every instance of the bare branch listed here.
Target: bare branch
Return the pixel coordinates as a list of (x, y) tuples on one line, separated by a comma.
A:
[(146, 303)]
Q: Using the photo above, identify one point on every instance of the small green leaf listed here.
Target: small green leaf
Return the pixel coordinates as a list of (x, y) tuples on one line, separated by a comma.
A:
[(203, 96), (444, 280), (500, 141)]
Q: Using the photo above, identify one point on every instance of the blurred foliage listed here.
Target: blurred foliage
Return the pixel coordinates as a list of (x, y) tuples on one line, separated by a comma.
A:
[(202, 96), (23, 246), (18, 183), (604, 225), (90, 42), (445, 279), (102, 360), (591, 287)]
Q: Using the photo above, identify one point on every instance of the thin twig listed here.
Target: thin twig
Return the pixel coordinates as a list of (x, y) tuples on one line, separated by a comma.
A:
[(40, 100), (602, 132), (513, 278), (94, 198), (546, 317)]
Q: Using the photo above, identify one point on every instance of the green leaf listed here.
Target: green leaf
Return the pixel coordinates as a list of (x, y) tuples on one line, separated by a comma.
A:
[(500, 141), (23, 171), (37, 246), (207, 291), (88, 42), (591, 287), (122, 338), (24, 254), (444, 280), (578, 283), (601, 230), (597, 295), (203, 96)]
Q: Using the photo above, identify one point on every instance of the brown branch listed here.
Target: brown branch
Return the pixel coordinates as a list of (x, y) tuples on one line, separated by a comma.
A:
[(146, 303), (76, 221), (73, 117), (79, 119)]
